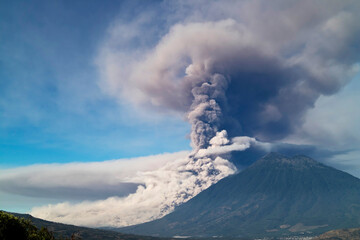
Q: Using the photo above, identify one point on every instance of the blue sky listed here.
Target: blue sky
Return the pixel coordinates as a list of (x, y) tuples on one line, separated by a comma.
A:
[(51, 107)]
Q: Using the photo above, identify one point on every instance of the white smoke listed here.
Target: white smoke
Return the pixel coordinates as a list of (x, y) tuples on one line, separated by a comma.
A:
[(160, 191), (221, 145)]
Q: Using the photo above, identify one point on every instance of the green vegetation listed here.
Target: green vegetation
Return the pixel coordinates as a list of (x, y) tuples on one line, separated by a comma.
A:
[(12, 227), (71, 232), (342, 234)]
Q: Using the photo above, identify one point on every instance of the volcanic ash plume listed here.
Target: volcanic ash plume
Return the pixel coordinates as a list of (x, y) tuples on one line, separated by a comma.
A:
[(205, 111), (160, 191), (237, 75)]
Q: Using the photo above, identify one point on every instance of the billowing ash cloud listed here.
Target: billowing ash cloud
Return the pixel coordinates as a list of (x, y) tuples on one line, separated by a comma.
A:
[(205, 111), (82, 181), (106, 189), (161, 189), (234, 74)]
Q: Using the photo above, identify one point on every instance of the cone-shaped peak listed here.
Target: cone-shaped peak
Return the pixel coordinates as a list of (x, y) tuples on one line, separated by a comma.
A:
[(297, 161), (277, 196)]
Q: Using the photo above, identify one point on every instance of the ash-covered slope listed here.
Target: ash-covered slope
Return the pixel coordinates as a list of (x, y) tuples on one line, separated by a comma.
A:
[(275, 196)]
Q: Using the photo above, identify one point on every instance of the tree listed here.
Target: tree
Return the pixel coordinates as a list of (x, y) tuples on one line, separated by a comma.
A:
[(12, 227)]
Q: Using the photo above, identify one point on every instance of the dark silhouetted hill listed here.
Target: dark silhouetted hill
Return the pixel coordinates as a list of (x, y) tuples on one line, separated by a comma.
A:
[(65, 231)]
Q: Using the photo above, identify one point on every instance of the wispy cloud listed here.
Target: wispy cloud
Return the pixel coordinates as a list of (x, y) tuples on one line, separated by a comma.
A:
[(82, 180)]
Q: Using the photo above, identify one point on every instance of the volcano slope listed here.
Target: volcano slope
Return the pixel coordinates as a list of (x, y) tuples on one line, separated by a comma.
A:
[(275, 196)]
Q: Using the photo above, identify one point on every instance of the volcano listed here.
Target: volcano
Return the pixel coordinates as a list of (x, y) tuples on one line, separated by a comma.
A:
[(275, 196)]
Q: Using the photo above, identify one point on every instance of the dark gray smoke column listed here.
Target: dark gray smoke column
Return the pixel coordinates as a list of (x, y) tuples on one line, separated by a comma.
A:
[(205, 113)]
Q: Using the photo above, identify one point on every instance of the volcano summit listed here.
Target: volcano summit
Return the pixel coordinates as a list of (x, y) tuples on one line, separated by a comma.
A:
[(275, 196)]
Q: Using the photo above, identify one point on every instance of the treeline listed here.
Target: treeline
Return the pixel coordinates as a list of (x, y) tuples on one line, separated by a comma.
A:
[(12, 227)]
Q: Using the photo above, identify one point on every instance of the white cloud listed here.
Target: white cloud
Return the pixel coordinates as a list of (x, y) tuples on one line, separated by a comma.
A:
[(165, 180), (221, 145), (161, 190), (83, 175)]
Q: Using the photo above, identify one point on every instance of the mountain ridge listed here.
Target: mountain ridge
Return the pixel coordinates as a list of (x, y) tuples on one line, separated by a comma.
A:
[(275, 196), (296, 161), (67, 231)]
